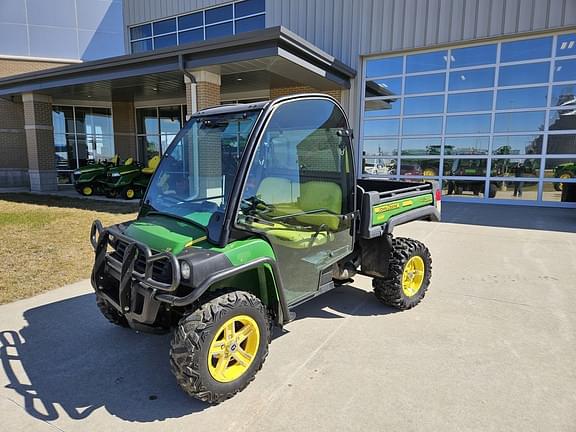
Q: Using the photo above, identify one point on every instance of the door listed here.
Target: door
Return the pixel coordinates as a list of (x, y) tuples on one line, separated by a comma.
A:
[(299, 192)]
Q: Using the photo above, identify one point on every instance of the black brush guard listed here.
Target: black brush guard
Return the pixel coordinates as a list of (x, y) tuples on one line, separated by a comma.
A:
[(130, 281)]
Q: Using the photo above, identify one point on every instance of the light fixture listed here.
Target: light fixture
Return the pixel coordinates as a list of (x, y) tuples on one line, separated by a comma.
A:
[(239, 79)]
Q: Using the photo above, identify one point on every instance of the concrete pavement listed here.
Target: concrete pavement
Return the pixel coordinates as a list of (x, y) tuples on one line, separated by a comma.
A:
[(491, 348)]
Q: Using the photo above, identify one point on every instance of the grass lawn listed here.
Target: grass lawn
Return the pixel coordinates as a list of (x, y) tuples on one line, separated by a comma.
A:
[(45, 240)]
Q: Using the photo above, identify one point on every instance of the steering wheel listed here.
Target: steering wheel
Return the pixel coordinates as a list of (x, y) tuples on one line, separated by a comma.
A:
[(253, 204)]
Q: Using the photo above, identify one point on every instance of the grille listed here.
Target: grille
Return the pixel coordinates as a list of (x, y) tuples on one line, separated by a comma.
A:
[(161, 270)]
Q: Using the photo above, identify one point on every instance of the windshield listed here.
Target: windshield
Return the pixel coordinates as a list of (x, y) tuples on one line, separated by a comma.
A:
[(196, 175)]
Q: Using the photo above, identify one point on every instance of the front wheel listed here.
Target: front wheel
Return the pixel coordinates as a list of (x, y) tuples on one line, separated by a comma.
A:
[(87, 190), (217, 350), (409, 273)]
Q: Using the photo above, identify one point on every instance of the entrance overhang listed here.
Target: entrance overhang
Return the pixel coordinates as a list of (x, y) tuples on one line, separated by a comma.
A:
[(286, 59)]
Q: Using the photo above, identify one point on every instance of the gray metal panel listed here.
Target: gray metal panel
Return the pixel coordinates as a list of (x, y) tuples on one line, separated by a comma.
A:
[(137, 11), (349, 29)]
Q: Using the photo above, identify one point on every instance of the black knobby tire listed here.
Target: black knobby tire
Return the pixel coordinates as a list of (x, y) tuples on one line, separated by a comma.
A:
[(389, 290), (192, 338), (110, 313)]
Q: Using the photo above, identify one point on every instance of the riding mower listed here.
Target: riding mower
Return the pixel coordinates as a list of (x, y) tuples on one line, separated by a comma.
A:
[(86, 178), (128, 181)]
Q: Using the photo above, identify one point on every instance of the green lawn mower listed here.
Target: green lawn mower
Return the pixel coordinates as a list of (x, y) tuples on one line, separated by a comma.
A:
[(86, 178), (128, 181), (253, 210)]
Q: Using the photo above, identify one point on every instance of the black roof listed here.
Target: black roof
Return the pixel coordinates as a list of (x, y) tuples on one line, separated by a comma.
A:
[(269, 42)]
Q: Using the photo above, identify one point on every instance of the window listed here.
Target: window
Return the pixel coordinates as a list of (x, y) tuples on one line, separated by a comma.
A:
[(156, 127), (82, 135), (424, 105), (471, 79), (215, 22), (531, 97), (422, 126), (531, 73), (473, 56), (466, 102), (382, 107), (384, 67), (425, 83), (489, 121), (472, 124), (528, 49), (519, 121), (426, 62)]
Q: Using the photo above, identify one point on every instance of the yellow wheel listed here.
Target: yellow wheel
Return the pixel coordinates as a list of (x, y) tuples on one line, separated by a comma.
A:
[(217, 350), (413, 276), (129, 193), (233, 349), (429, 172), (563, 176), (408, 277), (87, 191)]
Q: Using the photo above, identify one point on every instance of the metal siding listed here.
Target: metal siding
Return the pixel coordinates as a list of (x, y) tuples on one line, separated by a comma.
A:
[(349, 29)]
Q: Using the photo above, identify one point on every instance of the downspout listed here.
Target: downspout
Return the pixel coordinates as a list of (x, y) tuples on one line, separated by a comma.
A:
[(189, 79)]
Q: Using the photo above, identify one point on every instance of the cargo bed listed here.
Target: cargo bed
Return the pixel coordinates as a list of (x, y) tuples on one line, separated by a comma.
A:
[(384, 204)]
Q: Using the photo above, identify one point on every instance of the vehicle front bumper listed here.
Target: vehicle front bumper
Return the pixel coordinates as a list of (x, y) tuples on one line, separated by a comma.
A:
[(127, 281)]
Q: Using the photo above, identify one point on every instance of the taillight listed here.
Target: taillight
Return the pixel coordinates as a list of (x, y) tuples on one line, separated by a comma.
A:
[(438, 195)]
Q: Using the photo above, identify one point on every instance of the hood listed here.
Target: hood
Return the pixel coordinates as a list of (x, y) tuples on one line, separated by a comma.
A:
[(163, 233)]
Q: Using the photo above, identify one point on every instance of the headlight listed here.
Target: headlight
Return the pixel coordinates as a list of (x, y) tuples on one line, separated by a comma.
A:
[(115, 175), (77, 172), (185, 270)]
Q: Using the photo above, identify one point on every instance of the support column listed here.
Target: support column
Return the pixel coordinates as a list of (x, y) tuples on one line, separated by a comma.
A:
[(124, 122), (14, 160), (40, 142), (203, 93)]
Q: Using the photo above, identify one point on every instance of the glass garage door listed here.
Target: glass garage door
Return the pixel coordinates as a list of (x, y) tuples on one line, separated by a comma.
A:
[(493, 122)]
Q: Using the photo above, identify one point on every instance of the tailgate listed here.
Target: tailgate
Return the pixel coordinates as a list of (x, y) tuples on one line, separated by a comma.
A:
[(380, 211)]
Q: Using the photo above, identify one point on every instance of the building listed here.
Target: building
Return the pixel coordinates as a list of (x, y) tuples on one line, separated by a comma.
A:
[(479, 95)]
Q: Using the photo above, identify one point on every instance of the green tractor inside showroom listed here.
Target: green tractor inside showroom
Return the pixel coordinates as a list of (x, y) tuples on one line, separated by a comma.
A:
[(253, 210)]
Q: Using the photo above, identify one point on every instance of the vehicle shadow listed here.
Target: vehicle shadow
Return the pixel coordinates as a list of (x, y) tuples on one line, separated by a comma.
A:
[(508, 216), (69, 358), (115, 207), (341, 301)]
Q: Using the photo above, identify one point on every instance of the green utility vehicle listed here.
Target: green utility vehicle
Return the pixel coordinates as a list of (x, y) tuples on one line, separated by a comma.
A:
[(128, 181), (86, 178), (253, 210), (564, 171)]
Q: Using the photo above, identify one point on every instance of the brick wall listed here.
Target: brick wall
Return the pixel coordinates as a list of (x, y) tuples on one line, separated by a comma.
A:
[(16, 67), (39, 134), (286, 91), (208, 95), (124, 118), (12, 137)]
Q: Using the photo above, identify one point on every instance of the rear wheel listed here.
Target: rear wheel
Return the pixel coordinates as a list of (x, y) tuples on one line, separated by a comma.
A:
[(129, 192), (409, 273), (110, 313), (217, 350), (564, 176)]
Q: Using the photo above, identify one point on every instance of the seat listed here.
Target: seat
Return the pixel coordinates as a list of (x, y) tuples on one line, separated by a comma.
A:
[(275, 190), (315, 195), (115, 160), (152, 164), (279, 192)]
